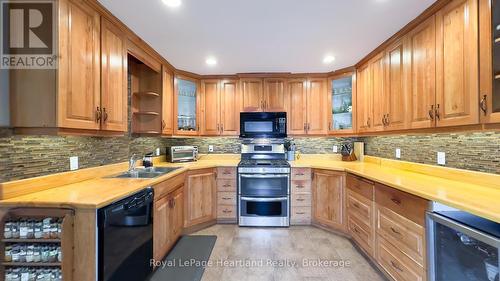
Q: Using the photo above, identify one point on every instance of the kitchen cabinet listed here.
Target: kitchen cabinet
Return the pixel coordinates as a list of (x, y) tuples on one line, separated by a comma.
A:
[(364, 99), (167, 123), (377, 69), (301, 197), (252, 93), (200, 197), (308, 107), (489, 78), (226, 195), (275, 98), (342, 100), (186, 106), (328, 199), (220, 113), (457, 63), (396, 83)]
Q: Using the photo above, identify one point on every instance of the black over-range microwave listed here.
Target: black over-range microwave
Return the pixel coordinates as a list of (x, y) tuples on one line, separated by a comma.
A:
[(263, 125)]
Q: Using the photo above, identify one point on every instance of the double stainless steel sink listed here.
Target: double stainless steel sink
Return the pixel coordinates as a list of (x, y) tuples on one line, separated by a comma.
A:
[(146, 173)]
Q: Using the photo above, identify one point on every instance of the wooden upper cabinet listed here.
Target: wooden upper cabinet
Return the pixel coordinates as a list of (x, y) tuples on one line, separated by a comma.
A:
[(329, 199), (396, 87), (457, 88), (210, 117), (364, 110), (275, 98), (186, 106), (378, 100), (252, 93), (341, 107), (79, 66), (167, 123), (229, 107), (317, 106), (422, 69), (113, 78), (489, 95), (200, 197), (297, 113)]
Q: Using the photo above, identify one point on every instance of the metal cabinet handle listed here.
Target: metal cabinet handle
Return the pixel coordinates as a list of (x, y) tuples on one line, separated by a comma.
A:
[(97, 115), (356, 205), (396, 201), (438, 116), (329, 126), (395, 231), (395, 265), (227, 198), (218, 127), (226, 211), (163, 124), (222, 128), (308, 127), (431, 112), (483, 105), (300, 213), (387, 120), (104, 115), (368, 122), (300, 199)]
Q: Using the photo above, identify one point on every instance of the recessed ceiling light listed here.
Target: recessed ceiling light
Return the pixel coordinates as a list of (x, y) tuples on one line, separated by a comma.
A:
[(211, 61), (328, 59), (172, 3)]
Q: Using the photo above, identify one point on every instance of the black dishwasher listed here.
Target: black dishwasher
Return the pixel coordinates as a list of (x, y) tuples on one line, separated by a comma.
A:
[(125, 238)]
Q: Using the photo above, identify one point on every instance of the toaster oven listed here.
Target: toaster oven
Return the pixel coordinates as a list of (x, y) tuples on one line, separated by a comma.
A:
[(182, 153)]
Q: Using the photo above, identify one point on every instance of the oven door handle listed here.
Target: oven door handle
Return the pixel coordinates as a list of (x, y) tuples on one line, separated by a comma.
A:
[(264, 176), (253, 199)]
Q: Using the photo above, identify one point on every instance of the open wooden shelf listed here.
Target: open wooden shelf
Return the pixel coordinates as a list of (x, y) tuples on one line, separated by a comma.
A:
[(40, 240), (32, 264), (148, 94)]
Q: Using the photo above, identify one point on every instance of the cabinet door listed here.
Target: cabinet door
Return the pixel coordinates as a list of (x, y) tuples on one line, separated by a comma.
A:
[(113, 78), (489, 94), (341, 104), (275, 95), (161, 227), (457, 73), (230, 109), (210, 111), (328, 199), (79, 78), (200, 198), (378, 92), (252, 94), (317, 106), (186, 106), (422, 69), (297, 119), (364, 110), (176, 218), (395, 87), (167, 123)]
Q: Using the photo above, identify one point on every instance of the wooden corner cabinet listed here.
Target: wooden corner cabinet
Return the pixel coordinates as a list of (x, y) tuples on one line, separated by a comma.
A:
[(328, 192), (186, 106), (342, 104), (200, 197)]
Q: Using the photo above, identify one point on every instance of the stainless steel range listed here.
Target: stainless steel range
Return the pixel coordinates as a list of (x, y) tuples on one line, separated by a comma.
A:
[(263, 184)]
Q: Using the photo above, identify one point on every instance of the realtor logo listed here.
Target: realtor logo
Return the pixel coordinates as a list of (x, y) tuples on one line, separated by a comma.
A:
[(28, 34)]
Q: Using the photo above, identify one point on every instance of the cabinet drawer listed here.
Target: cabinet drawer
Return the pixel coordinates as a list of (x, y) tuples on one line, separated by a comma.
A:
[(226, 211), (396, 264), (301, 173), (226, 185), (163, 188), (226, 198), (226, 173), (360, 207), (406, 235), (300, 215), (301, 200), (361, 186), (301, 186), (361, 233), (410, 206)]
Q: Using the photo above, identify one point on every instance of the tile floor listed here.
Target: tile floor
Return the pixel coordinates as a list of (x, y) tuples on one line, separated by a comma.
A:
[(248, 254)]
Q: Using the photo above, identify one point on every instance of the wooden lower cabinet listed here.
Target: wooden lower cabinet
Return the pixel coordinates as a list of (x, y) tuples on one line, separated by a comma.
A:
[(200, 197), (167, 222), (301, 197), (397, 265), (328, 199), (226, 195)]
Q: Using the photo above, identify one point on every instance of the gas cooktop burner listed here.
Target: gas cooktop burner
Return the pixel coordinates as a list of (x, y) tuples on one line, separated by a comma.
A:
[(263, 163)]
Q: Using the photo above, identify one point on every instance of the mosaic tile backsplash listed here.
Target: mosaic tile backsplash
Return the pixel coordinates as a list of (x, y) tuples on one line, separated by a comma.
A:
[(29, 156)]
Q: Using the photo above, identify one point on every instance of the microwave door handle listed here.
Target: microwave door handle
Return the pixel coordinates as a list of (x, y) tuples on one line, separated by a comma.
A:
[(253, 199), (264, 176)]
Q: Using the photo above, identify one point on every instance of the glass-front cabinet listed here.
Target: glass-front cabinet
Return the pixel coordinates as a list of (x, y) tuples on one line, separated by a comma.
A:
[(186, 106), (341, 120)]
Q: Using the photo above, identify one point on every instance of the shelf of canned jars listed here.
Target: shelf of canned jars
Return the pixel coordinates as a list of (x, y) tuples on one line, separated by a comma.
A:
[(36, 244)]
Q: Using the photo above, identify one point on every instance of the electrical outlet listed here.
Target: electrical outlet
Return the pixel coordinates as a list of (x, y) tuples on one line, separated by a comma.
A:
[(158, 151), (398, 153), (210, 148), (441, 158), (73, 163), (335, 149)]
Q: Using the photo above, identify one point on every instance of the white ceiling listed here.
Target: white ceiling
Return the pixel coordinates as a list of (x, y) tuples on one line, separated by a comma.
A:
[(265, 35)]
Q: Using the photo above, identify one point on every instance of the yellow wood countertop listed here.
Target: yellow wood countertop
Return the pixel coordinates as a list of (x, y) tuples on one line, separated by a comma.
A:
[(477, 193)]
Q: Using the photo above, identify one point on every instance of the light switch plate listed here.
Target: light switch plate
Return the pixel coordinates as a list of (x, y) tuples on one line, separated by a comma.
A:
[(398, 153), (441, 158), (335, 149), (210, 148), (73, 163)]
